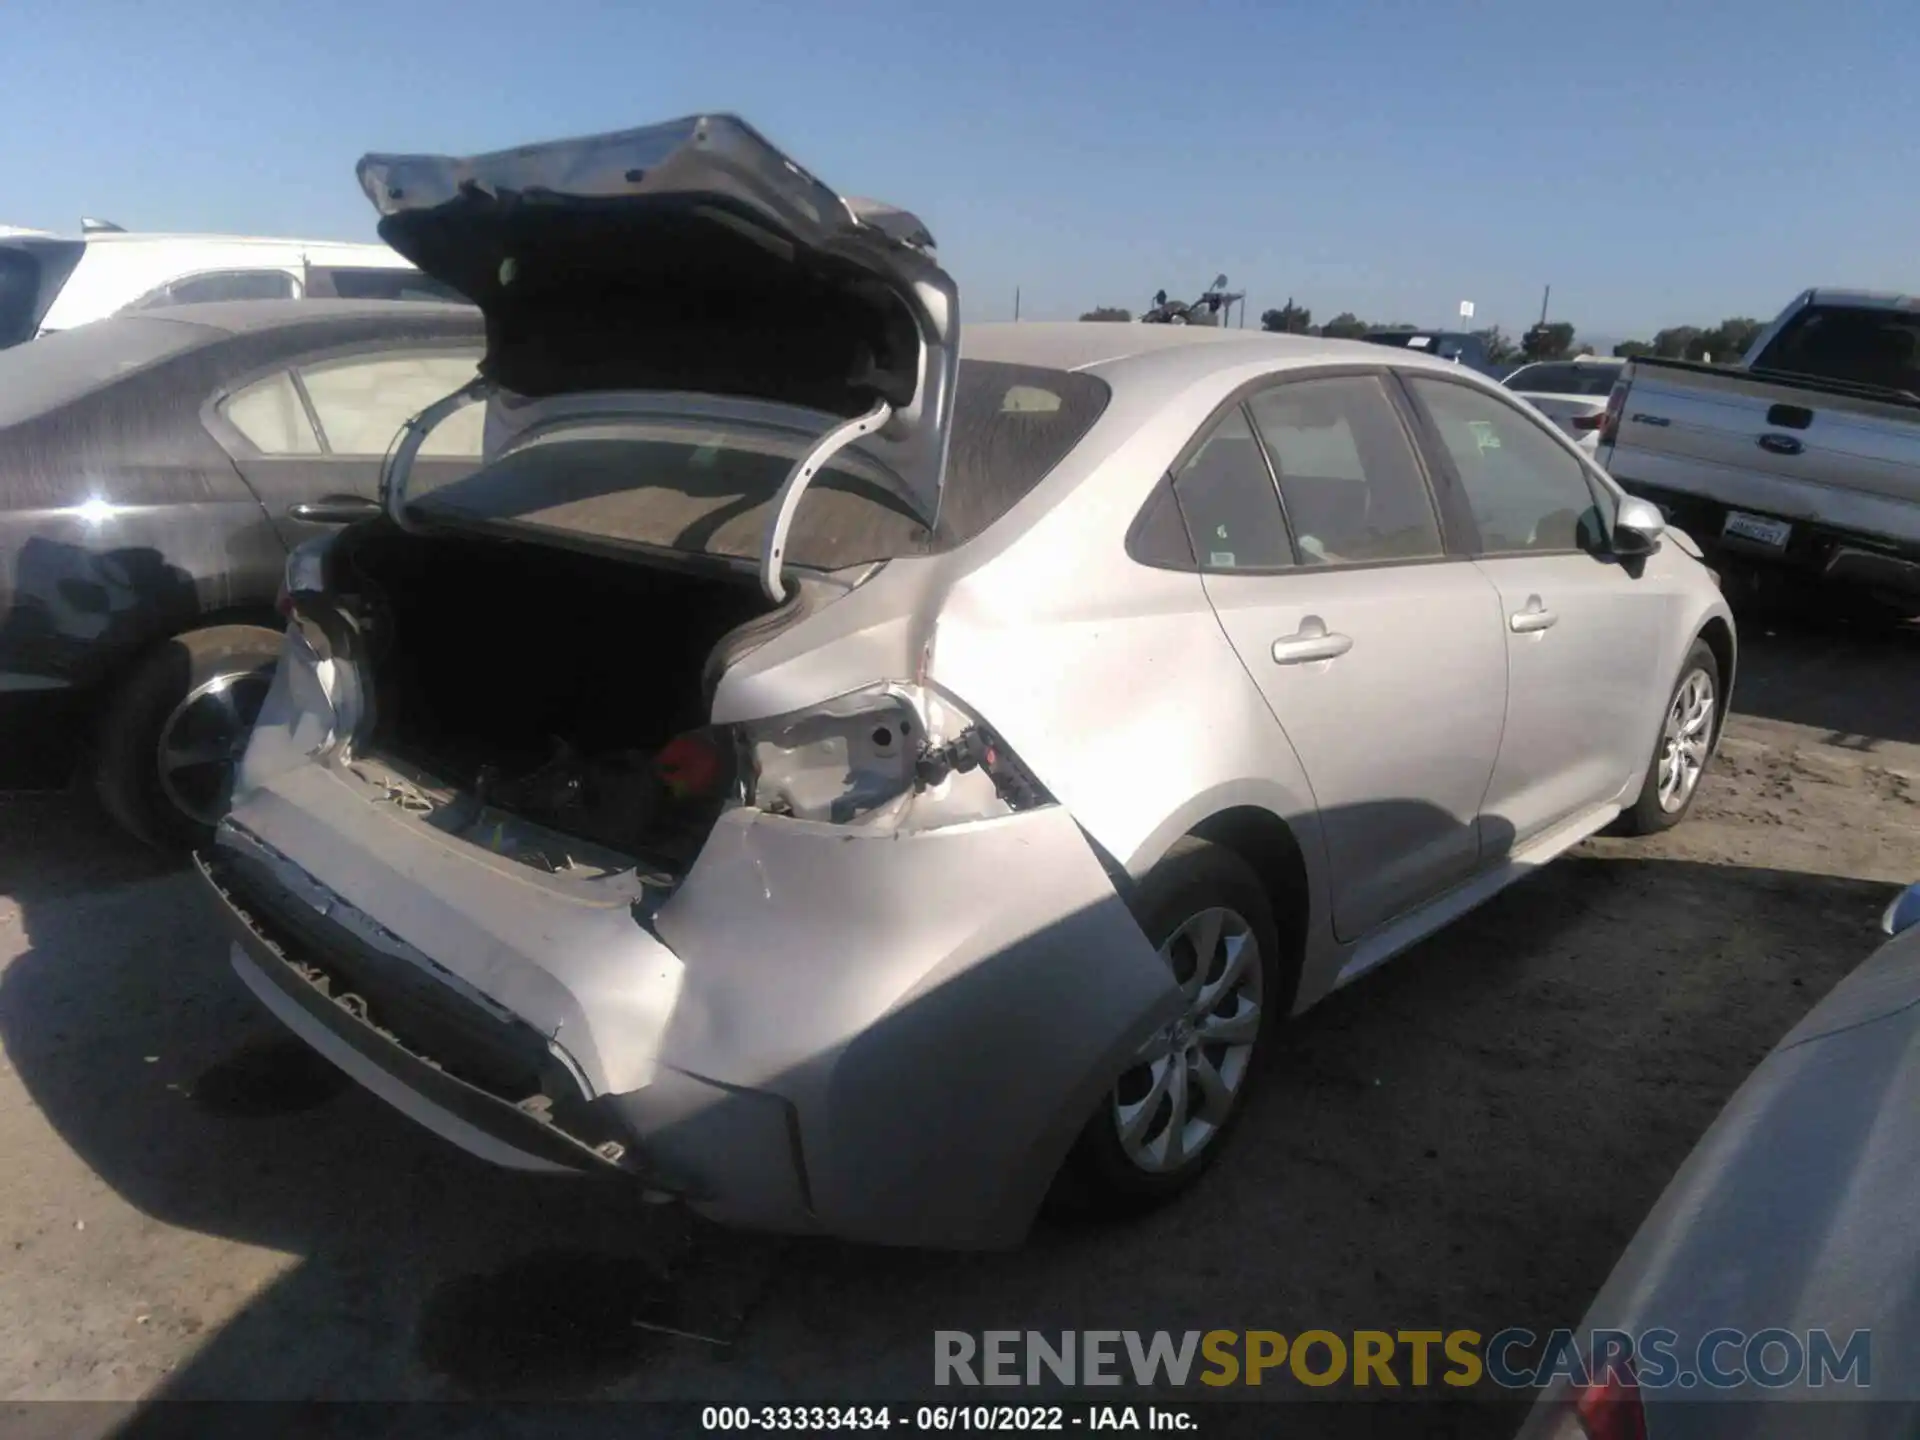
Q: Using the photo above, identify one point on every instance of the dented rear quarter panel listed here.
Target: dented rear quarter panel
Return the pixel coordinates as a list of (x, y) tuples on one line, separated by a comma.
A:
[(1112, 681)]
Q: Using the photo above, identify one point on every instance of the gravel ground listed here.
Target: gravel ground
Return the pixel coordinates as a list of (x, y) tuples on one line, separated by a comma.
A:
[(190, 1207)]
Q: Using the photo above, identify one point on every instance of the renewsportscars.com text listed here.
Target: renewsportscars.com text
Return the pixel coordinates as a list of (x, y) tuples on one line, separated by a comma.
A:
[(1514, 1358)]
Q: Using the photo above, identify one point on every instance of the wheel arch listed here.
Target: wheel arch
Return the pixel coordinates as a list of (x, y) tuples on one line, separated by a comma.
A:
[(1718, 636), (1276, 850), (128, 659)]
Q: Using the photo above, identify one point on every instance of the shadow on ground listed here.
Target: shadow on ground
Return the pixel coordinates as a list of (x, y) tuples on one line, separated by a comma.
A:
[(1807, 670), (1464, 1139)]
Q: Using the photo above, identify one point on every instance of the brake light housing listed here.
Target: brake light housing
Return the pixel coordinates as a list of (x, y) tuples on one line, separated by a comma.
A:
[(1610, 1409), (892, 756), (1610, 419)]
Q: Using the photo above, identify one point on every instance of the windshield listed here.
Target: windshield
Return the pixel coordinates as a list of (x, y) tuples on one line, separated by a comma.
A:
[(709, 490), (1550, 379), (58, 368), (1854, 345)]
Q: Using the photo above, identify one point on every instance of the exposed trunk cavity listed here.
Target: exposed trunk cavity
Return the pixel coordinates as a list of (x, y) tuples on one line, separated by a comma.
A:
[(570, 689)]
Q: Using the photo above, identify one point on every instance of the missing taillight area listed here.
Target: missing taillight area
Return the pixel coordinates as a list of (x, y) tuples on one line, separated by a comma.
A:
[(883, 757)]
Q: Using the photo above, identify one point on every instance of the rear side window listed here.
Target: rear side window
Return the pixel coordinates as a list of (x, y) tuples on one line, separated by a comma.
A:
[(1857, 346), (269, 413), (1225, 493), (362, 403), (1352, 485), (217, 285)]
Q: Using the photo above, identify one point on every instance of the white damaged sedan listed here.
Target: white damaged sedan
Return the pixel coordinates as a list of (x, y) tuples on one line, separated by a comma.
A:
[(859, 785)]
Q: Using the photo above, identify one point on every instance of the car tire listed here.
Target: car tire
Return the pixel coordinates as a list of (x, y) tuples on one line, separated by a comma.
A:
[(1654, 810), (1106, 1173), (197, 695)]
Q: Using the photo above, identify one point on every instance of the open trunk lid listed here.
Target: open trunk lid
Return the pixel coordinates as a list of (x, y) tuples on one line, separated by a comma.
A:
[(689, 271)]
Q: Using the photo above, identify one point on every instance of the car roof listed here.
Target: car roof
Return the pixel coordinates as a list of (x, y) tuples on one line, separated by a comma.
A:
[(1146, 351), (1866, 299), (250, 317)]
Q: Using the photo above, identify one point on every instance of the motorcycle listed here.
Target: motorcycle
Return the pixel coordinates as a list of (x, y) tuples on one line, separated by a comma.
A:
[(1203, 311)]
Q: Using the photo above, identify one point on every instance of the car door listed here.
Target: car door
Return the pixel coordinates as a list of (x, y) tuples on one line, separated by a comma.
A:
[(1583, 631), (321, 429), (1378, 650)]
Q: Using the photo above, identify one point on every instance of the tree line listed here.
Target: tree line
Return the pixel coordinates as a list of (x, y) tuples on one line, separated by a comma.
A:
[(1723, 343)]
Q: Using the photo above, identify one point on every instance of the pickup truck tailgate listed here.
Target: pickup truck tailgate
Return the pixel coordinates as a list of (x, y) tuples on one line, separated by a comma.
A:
[(1752, 444)]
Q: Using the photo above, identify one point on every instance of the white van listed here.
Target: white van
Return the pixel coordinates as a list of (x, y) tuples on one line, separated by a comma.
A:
[(51, 282)]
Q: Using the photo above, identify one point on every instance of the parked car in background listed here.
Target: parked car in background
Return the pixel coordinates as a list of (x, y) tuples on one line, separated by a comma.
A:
[(1571, 393), (1802, 460), (1458, 346), (151, 466), (1789, 1228), (869, 789), (52, 282)]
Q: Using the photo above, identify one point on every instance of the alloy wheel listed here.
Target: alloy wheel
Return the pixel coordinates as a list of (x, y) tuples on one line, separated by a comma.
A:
[(202, 740), (1187, 1079), (1685, 740)]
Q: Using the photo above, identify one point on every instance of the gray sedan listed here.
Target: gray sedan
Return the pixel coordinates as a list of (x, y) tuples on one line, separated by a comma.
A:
[(865, 784), (154, 470), (1774, 1289)]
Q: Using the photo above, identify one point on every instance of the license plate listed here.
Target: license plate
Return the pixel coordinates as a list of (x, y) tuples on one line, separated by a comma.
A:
[(1758, 529)]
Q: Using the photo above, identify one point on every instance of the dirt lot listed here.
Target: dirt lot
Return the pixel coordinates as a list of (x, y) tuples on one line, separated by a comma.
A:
[(189, 1207)]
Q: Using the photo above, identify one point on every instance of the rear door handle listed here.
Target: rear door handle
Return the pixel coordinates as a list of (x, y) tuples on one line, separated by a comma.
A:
[(1313, 641), (1535, 618), (333, 510)]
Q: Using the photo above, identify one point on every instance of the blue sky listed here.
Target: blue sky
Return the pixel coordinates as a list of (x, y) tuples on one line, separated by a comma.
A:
[(1655, 162)]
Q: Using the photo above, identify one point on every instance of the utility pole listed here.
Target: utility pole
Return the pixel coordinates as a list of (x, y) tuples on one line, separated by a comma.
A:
[(1543, 304), (1016, 302)]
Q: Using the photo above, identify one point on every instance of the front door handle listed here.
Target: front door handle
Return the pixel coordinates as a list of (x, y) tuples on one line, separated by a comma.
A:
[(1535, 618), (1313, 641)]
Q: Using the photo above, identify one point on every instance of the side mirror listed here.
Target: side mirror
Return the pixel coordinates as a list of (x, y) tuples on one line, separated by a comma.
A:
[(1638, 527), (334, 510), (1903, 913)]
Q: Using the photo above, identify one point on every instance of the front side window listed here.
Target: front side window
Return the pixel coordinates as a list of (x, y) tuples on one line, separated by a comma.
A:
[(1527, 493), (382, 283), (361, 403), (1348, 473), (1225, 494)]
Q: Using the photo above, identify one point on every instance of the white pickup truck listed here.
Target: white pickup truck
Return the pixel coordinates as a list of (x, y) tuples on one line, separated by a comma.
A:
[(1804, 458)]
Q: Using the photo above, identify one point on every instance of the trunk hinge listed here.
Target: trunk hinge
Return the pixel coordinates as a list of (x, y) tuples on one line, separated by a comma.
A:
[(399, 464), (774, 546)]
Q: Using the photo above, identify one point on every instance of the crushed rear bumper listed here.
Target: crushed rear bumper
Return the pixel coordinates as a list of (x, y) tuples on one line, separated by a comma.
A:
[(320, 1004), (890, 1038)]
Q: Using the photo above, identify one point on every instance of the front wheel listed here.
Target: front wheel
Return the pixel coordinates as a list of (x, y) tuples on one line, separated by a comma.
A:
[(1687, 733), (1167, 1117)]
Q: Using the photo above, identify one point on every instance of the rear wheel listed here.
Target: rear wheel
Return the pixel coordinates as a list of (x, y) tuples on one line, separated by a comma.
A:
[(1167, 1117), (173, 734), (1687, 732)]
